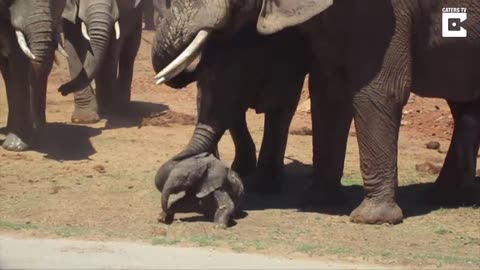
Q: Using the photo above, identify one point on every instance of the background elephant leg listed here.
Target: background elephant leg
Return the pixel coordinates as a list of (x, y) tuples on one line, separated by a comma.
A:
[(20, 122), (148, 12), (86, 108), (332, 114), (245, 153), (456, 182), (127, 61)]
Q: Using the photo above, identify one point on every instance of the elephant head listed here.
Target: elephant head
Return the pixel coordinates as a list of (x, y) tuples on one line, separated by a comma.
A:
[(98, 19), (35, 23), (186, 25)]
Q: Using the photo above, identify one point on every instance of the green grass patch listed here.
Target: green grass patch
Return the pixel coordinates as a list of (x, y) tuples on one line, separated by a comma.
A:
[(163, 241), (17, 226), (308, 249), (67, 232), (204, 240), (442, 231)]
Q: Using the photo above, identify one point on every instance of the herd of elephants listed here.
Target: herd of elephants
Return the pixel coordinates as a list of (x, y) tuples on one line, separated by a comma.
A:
[(363, 58)]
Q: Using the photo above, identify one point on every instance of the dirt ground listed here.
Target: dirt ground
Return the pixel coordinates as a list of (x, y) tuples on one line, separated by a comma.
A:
[(96, 182)]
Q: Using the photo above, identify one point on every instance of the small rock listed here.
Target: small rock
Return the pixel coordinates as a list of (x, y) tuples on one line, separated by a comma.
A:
[(429, 167), (433, 145), (99, 168), (404, 123), (130, 187), (442, 151)]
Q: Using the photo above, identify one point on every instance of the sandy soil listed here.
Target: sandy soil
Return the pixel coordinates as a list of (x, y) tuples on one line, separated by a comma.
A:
[(96, 182)]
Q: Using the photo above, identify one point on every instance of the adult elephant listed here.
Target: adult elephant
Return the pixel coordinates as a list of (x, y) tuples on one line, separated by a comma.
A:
[(367, 60), (102, 38), (27, 45), (267, 77)]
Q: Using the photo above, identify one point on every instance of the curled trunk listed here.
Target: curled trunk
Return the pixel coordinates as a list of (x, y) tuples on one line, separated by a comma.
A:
[(99, 26), (204, 139)]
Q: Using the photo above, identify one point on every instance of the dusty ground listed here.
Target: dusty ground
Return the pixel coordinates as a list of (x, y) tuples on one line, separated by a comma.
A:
[(96, 182)]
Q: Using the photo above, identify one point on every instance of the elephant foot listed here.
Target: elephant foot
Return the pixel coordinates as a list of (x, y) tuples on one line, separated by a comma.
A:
[(325, 195), (165, 218), (14, 143), (451, 196), (80, 116), (244, 167), (370, 212)]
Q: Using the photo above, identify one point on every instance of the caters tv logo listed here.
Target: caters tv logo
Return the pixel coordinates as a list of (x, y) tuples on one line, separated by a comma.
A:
[(452, 20)]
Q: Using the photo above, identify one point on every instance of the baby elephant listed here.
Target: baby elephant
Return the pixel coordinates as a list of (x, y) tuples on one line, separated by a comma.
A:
[(210, 187)]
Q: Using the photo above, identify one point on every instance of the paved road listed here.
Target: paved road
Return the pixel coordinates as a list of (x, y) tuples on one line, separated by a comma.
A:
[(67, 254)]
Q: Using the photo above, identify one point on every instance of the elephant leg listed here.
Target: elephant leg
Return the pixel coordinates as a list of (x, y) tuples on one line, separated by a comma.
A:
[(268, 177), (125, 70), (148, 11), (332, 114), (456, 183), (86, 108), (245, 160), (225, 208), (378, 104), (20, 122)]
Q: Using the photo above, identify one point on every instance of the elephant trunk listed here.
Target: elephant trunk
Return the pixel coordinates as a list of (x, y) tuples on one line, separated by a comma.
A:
[(204, 139), (178, 42), (100, 27), (39, 32)]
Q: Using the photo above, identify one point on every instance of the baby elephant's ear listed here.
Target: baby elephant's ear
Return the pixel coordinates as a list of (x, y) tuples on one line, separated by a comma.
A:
[(215, 178), (279, 14)]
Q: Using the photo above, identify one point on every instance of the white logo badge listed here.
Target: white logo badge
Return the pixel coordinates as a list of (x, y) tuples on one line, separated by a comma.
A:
[(452, 20)]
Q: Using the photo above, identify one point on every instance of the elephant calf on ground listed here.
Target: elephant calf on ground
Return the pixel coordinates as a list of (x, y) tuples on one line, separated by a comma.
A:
[(235, 73), (102, 39), (210, 188)]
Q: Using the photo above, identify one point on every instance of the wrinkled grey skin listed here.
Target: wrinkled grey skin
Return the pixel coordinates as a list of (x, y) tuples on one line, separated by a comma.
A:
[(266, 77), (367, 60), (210, 188), (26, 79), (104, 59)]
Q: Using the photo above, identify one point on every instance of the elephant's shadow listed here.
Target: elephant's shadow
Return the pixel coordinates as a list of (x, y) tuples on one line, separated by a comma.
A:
[(65, 142), (133, 115), (298, 176)]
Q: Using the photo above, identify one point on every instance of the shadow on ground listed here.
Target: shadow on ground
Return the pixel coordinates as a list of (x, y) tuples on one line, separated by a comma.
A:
[(65, 142), (411, 198), (134, 115)]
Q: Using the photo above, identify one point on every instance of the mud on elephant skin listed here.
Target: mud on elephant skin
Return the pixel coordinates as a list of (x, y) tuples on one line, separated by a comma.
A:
[(359, 72), (210, 187), (27, 44), (268, 76), (102, 39)]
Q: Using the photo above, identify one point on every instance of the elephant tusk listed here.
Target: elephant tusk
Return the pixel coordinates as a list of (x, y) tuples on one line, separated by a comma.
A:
[(85, 31), (193, 66), (184, 59), (117, 30), (62, 51), (23, 45)]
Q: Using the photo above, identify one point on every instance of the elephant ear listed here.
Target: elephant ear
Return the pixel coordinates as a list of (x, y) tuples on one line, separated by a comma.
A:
[(279, 14), (215, 178), (70, 11)]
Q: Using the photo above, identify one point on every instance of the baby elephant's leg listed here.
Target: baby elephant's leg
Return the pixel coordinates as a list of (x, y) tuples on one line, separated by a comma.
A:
[(225, 208), (186, 204)]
